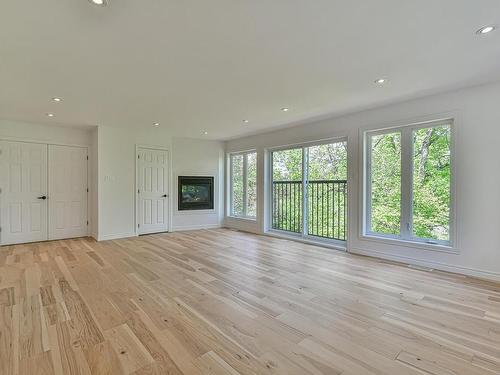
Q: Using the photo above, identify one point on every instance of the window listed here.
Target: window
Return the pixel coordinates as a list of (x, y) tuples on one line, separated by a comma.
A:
[(408, 180), (243, 180)]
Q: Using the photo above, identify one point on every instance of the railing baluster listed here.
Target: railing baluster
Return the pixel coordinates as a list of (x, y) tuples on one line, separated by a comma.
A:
[(327, 208)]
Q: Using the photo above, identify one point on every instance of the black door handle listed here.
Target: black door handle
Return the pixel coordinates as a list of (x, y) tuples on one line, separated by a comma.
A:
[(42, 197), (164, 196)]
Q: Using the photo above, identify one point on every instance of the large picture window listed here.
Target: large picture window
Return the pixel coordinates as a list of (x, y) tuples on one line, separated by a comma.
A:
[(243, 184), (408, 183)]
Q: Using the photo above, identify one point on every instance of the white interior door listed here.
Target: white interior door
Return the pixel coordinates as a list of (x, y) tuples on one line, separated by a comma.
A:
[(23, 180), (67, 192), (152, 180)]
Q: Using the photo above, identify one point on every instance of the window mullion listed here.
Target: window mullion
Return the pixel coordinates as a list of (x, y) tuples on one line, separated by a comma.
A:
[(245, 184), (406, 182), (368, 185), (231, 188), (305, 181)]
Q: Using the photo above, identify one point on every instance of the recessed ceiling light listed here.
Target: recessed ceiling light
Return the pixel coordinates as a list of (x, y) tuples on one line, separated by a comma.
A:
[(57, 99), (246, 121), (50, 114), (99, 2), (380, 81), (205, 133), (486, 30), (156, 124), (285, 109)]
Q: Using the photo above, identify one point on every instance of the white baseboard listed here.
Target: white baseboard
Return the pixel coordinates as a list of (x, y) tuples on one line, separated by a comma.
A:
[(107, 237), (195, 227), (429, 264)]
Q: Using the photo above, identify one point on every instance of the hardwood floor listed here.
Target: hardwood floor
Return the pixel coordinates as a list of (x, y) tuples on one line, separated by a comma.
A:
[(225, 302)]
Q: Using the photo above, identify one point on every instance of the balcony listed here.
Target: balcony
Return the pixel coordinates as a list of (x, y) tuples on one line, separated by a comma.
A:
[(326, 208)]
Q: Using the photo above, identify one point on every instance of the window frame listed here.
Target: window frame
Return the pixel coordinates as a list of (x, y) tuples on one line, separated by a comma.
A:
[(244, 154), (406, 235)]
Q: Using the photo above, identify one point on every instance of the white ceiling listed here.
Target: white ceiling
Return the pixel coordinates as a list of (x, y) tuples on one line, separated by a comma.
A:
[(203, 65)]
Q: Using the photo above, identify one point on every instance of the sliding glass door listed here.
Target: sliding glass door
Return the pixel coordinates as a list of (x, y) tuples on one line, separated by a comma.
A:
[(309, 190)]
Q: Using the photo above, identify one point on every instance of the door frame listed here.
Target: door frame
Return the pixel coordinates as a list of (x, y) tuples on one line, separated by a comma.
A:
[(136, 187), (89, 173)]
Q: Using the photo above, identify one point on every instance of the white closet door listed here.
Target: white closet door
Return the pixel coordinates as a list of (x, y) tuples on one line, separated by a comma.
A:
[(23, 180), (67, 192), (153, 190)]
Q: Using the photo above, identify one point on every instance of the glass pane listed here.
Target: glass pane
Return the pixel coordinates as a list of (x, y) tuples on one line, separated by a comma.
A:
[(237, 185), (287, 190), (327, 191), (252, 185), (431, 183), (386, 183)]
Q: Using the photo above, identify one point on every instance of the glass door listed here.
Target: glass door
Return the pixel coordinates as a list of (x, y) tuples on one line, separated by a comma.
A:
[(309, 190)]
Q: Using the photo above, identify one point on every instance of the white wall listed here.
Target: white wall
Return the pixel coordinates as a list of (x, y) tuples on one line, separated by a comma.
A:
[(94, 182), (14, 130), (477, 136), (193, 157), (112, 171), (116, 165)]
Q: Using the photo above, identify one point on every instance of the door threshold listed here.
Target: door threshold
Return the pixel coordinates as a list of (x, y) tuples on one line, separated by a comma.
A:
[(323, 243)]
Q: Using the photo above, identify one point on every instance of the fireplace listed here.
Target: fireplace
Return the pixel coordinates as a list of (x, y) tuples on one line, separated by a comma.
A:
[(195, 193)]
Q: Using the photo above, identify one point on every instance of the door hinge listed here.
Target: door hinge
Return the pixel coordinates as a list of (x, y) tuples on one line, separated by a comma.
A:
[(87, 190), (87, 222), (138, 156), (138, 225), (138, 191), (87, 157)]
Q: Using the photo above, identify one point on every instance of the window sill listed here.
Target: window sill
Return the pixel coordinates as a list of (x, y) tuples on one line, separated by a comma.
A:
[(450, 249)]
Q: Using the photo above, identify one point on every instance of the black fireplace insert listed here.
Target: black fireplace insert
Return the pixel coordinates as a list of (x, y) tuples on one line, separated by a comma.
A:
[(195, 193)]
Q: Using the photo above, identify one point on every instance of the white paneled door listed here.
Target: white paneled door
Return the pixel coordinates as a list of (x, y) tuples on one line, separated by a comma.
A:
[(68, 192), (152, 190), (23, 180), (43, 192)]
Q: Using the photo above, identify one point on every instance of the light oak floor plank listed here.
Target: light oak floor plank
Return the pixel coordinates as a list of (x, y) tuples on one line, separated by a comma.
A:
[(227, 302)]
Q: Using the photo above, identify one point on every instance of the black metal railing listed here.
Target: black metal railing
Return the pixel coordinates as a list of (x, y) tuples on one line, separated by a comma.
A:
[(326, 208)]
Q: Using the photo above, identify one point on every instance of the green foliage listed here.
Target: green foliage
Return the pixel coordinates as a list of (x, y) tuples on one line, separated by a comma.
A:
[(238, 197), (386, 183), (237, 185), (431, 183)]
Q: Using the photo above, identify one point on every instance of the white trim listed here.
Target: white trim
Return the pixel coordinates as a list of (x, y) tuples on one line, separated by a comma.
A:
[(108, 237), (393, 240), (195, 227), (474, 272), (322, 141)]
